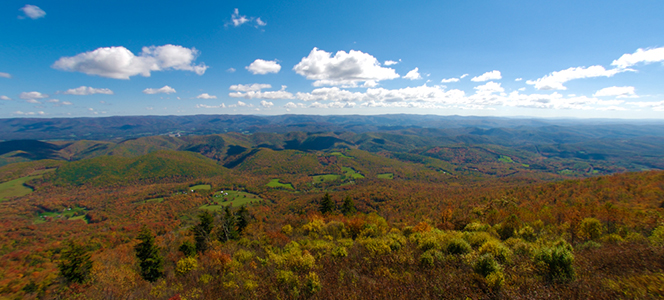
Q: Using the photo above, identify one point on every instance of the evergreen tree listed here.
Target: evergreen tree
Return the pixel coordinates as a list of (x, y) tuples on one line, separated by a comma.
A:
[(326, 205), (202, 231), (348, 208), (227, 230), (75, 264), (150, 261), (242, 219), (188, 249)]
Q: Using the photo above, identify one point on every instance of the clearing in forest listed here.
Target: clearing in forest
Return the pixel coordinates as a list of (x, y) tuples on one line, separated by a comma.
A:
[(232, 198), (15, 188), (274, 183), (200, 187), (70, 213), (386, 176)]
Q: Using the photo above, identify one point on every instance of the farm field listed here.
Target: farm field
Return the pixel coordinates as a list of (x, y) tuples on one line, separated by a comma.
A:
[(233, 199), (274, 183), (16, 187)]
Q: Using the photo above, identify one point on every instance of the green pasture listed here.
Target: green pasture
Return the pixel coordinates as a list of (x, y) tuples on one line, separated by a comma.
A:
[(75, 213), (274, 183), (337, 153), (349, 172), (386, 176), (15, 188), (152, 200), (200, 187), (325, 178), (505, 159), (234, 199)]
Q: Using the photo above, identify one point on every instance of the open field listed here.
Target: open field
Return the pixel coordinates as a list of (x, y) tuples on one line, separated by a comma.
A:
[(386, 176), (325, 178), (337, 153), (15, 188), (274, 183), (349, 172), (200, 187), (234, 199), (72, 213)]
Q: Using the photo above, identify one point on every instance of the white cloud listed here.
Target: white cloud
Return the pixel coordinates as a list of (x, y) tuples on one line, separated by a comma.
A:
[(463, 76), (263, 67), (342, 69), (164, 90), (249, 87), (294, 105), (391, 62), (230, 70), (3, 97), (489, 87), (518, 79), (493, 75), (237, 19), (120, 63), (32, 95), (448, 80), (617, 91), (266, 104), (210, 106), (32, 11), (20, 113), (85, 90), (206, 96), (66, 103), (53, 101), (640, 56), (33, 101), (252, 93), (242, 104), (5, 75), (555, 80), (656, 106), (413, 74)]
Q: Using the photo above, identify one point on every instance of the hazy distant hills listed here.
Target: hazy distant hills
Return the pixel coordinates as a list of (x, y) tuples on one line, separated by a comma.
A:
[(137, 126)]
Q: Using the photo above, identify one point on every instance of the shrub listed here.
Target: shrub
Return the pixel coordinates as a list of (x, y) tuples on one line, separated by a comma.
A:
[(188, 249), (339, 251), (657, 236), (486, 265), (429, 257), (528, 233), (556, 263), (287, 229), (613, 238), (476, 226), (243, 256), (509, 227), (186, 265), (590, 229), (458, 246), (312, 284), (497, 250), (476, 239), (495, 280)]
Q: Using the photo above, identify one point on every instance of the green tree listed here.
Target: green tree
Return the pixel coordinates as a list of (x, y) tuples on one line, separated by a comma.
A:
[(188, 249), (75, 263), (227, 230), (150, 261), (242, 219), (348, 208), (326, 205), (202, 231)]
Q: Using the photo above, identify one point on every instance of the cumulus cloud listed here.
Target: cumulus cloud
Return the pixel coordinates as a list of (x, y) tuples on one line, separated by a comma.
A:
[(263, 67), (344, 68), (120, 63), (266, 104), (164, 90), (3, 97), (555, 80), (32, 11), (230, 70), (86, 90), (66, 103), (493, 75), (489, 87), (518, 79), (206, 96), (640, 56), (237, 20), (33, 101), (448, 80), (391, 62), (5, 75), (413, 74), (249, 87), (617, 91), (31, 113), (290, 105), (254, 91), (32, 95), (656, 106)]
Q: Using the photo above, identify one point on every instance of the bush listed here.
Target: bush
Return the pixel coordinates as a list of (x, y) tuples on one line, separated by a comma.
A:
[(657, 236), (556, 263), (497, 250), (486, 265), (312, 283), (243, 256), (339, 251), (458, 246), (590, 229), (528, 233), (186, 265)]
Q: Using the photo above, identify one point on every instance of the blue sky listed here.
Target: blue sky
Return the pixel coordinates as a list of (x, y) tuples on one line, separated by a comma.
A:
[(581, 59)]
